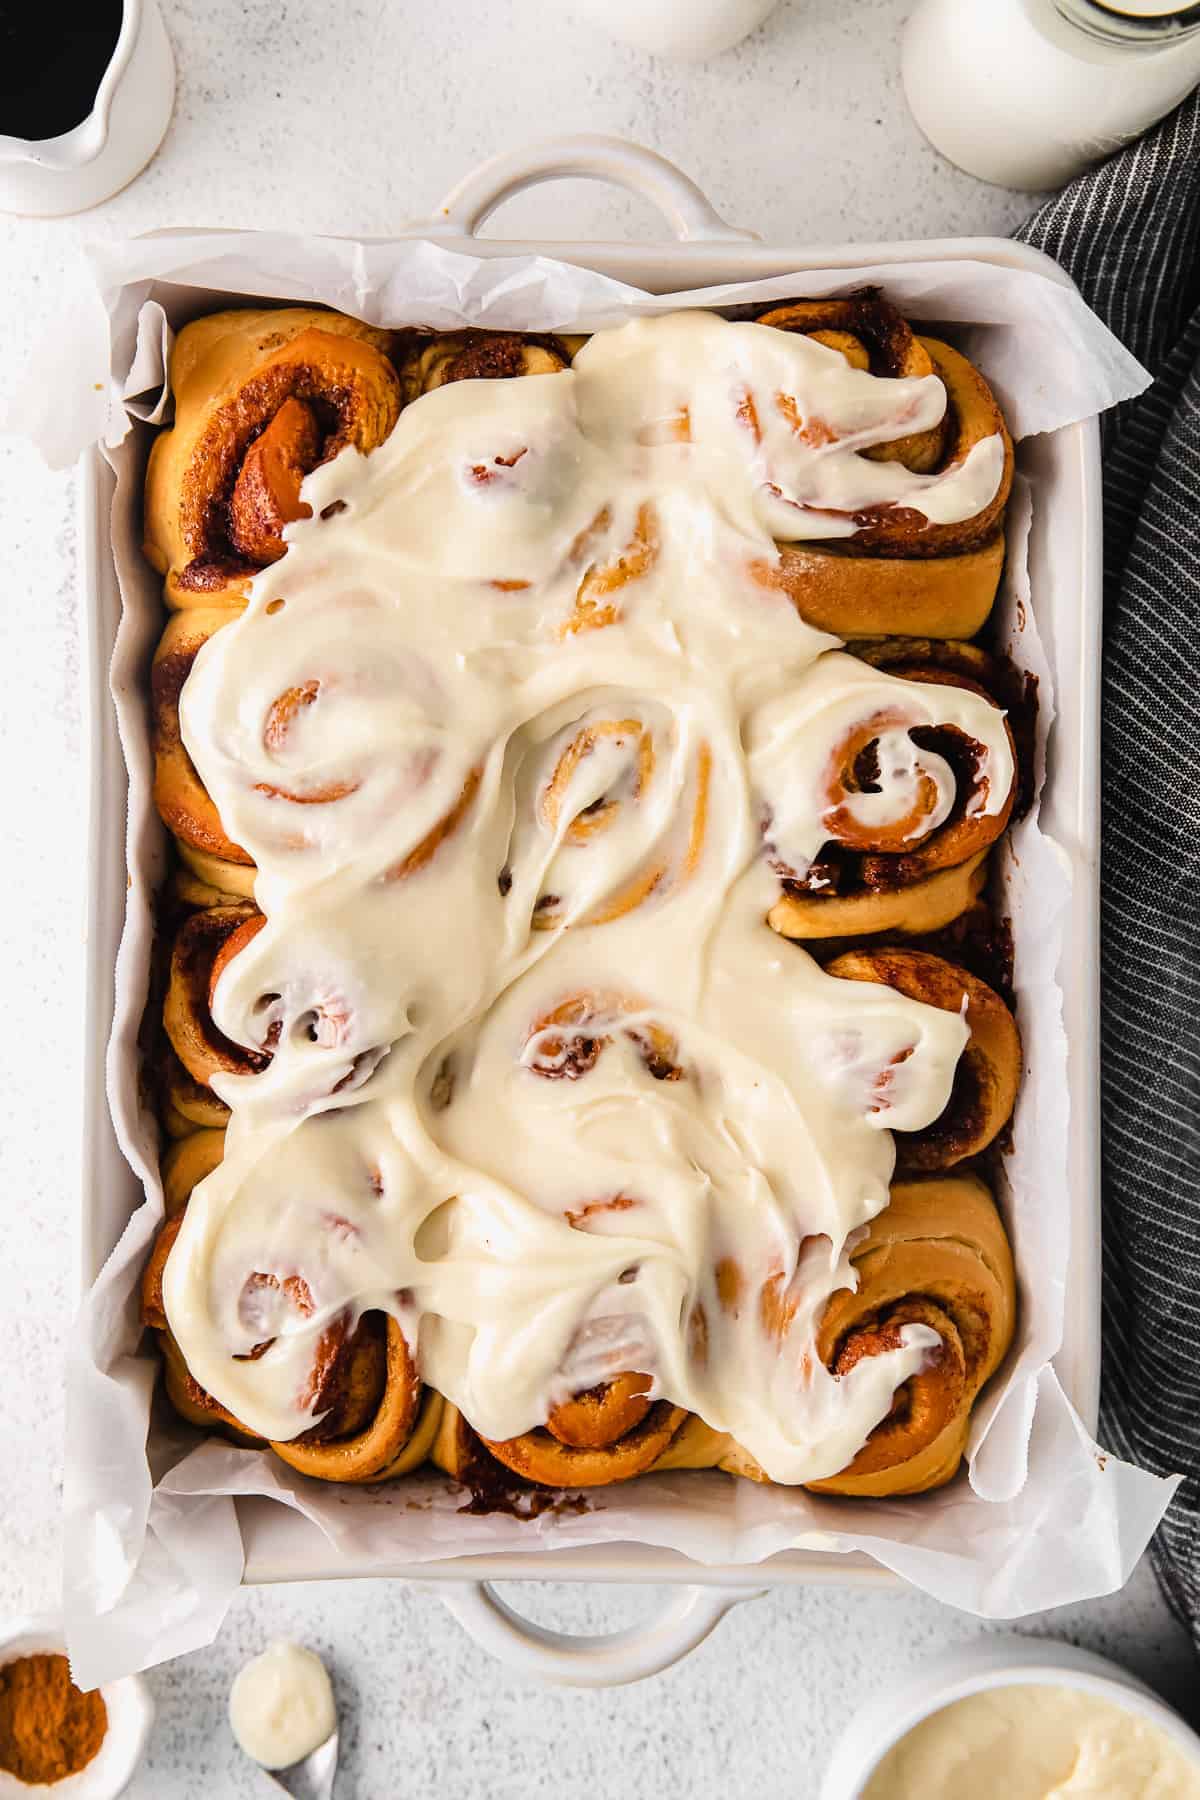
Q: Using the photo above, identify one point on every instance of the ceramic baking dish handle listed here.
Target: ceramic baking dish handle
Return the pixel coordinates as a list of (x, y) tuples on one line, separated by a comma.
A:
[(588, 157), (607, 1659)]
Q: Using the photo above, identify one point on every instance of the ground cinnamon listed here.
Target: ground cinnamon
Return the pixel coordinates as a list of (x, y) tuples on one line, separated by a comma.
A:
[(48, 1728)]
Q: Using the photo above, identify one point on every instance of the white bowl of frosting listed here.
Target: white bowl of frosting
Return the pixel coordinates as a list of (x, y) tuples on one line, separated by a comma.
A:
[(1013, 1718)]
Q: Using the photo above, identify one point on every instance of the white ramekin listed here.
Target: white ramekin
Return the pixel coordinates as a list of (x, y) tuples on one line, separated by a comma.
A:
[(991, 1662), (130, 1716)]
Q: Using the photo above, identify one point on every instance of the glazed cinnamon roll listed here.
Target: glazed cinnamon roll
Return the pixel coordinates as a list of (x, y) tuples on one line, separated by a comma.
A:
[(261, 398), (612, 1429), (937, 1257), (901, 573), (215, 864), (566, 1043), (890, 831), (375, 1421), (960, 664), (606, 573), (613, 810), (988, 1071)]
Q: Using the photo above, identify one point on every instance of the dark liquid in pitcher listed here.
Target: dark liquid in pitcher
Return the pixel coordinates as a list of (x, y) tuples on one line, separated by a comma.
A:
[(49, 69)]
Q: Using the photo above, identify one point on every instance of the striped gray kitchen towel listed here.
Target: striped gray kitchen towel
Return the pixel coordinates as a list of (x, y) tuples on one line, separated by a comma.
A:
[(1129, 235)]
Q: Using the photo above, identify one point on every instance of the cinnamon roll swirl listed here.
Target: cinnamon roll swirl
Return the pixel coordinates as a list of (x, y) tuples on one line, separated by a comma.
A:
[(902, 573), (988, 1071), (955, 663), (261, 399), (890, 829), (612, 812), (568, 1041), (598, 598)]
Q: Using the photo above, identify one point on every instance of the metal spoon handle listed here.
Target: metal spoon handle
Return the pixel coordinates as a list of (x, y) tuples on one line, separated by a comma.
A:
[(311, 1779)]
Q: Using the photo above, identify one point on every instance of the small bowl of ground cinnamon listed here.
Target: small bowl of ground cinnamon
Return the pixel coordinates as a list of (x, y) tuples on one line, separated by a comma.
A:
[(55, 1738)]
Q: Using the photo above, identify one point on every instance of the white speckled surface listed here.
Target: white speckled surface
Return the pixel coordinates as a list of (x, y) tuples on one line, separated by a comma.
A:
[(286, 119)]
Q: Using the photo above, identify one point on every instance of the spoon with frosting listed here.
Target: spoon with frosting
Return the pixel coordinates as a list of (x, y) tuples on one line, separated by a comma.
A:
[(282, 1713)]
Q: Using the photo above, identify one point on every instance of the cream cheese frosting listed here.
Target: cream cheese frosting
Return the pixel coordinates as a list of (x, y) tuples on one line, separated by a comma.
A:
[(1035, 1741), (506, 733), (281, 1705)]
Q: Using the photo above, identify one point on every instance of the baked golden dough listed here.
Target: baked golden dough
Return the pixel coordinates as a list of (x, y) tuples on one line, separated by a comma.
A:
[(604, 1435), (183, 802), (203, 946), (262, 397), (855, 596), (187, 1105), (634, 1445), (924, 906), (186, 1163), (430, 360)]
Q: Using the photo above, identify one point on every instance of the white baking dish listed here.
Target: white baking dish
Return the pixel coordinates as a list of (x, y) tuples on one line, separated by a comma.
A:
[(1065, 569)]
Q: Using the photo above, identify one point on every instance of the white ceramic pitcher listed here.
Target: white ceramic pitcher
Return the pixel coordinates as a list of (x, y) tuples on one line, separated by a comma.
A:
[(127, 123)]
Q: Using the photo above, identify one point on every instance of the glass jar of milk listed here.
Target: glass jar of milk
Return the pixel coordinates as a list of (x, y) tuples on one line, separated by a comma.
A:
[(1028, 93)]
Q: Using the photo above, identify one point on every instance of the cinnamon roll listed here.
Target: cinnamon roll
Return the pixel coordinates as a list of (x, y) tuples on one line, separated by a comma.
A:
[(262, 397), (204, 945), (374, 1421), (869, 586), (988, 1071), (186, 1163), (882, 797), (431, 361), (187, 1105), (215, 864), (605, 1434), (598, 598), (613, 811), (937, 1257)]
